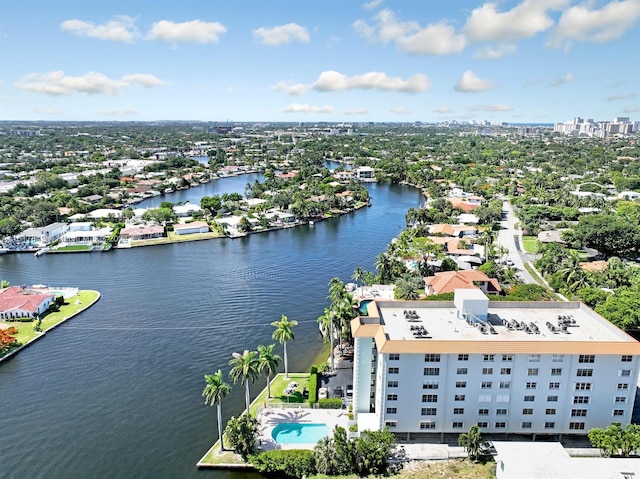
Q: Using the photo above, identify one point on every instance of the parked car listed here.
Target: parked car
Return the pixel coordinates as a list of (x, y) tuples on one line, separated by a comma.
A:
[(350, 390), (323, 393)]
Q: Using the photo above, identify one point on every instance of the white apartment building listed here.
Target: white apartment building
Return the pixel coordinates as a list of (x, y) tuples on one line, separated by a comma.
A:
[(538, 368)]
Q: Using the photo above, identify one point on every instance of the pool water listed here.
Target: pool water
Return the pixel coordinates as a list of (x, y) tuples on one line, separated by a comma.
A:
[(294, 433), (363, 307)]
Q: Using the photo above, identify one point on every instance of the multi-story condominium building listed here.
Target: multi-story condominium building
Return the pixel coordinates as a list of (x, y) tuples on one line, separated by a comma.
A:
[(539, 368)]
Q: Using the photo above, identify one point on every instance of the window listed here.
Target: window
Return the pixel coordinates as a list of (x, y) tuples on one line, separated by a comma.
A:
[(461, 384), (483, 412), (394, 357), (580, 399), (556, 371), (463, 357), (529, 398), (552, 398), (486, 385), (578, 413), (487, 370), (505, 370), (459, 397), (431, 358), (586, 358), (390, 423), (392, 410), (554, 385), (427, 425), (549, 425), (507, 357), (550, 411), (626, 358), (618, 412), (502, 398), (430, 385), (461, 371), (457, 424), (578, 426), (488, 357), (558, 358), (501, 412), (621, 400), (482, 424), (429, 398), (394, 370), (526, 425), (532, 385), (392, 397), (532, 372), (623, 387), (431, 371), (527, 411), (625, 372), (500, 425), (505, 384), (429, 411), (583, 387), (458, 410), (392, 384), (534, 358), (484, 398), (584, 372)]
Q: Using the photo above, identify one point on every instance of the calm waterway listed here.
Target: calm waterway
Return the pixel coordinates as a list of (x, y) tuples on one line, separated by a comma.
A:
[(115, 392)]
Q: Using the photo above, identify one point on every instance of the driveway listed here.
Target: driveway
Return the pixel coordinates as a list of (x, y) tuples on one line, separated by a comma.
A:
[(339, 382)]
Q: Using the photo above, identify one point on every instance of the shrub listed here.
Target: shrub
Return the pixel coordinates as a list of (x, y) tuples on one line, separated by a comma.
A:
[(330, 403), (353, 428), (285, 463), (313, 385)]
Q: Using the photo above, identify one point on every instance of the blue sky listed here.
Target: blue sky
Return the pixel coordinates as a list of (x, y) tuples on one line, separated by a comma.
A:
[(337, 61)]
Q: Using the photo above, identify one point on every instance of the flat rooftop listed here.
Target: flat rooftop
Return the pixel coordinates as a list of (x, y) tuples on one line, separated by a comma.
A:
[(553, 327)]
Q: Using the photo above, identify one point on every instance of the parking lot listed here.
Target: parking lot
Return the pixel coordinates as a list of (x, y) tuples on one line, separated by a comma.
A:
[(340, 383)]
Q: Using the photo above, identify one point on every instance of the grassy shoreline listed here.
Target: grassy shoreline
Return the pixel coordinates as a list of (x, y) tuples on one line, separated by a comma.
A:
[(72, 307)]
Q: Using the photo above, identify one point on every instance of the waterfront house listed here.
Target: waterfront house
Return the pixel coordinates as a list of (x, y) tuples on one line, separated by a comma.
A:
[(20, 302), (42, 236), (544, 369), (188, 209), (449, 281), (86, 237), (190, 228), (142, 232)]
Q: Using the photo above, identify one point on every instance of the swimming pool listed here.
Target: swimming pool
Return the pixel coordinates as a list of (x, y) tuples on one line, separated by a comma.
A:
[(295, 433), (363, 307)]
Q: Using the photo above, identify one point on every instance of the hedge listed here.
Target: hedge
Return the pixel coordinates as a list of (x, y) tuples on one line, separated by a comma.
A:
[(330, 403), (293, 463), (313, 385)]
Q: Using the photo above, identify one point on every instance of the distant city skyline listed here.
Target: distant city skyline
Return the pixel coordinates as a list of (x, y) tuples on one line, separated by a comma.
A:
[(530, 61)]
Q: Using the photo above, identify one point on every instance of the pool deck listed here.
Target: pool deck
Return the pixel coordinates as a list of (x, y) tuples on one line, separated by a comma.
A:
[(270, 417)]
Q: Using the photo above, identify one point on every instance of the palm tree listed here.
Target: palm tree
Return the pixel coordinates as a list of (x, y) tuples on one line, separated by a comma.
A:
[(471, 441), (268, 364), (214, 392), (358, 275), (284, 334), (244, 369)]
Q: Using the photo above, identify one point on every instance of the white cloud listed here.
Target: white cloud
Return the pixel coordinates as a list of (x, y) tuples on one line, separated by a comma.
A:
[(443, 110), (57, 83), (623, 96), (47, 111), (400, 110), (493, 53), (434, 39), (120, 29), (632, 109), (469, 82), (128, 112), (523, 21), (282, 34), (356, 111), (195, 31), (295, 89), (298, 108), (561, 80), (492, 108), (597, 26), (372, 4), (335, 81)]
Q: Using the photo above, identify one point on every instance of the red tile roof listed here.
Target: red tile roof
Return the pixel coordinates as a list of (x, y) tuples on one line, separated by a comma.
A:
[(449, 281), (15, 298)]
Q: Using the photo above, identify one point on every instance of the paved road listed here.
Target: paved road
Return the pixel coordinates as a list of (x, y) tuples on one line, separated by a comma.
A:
[(507, 238)]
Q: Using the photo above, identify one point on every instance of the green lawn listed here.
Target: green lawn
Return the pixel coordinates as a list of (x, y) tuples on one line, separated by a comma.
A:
[(25, 330), (278, 385), (531, 244), (72, 247), (451, 469)]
